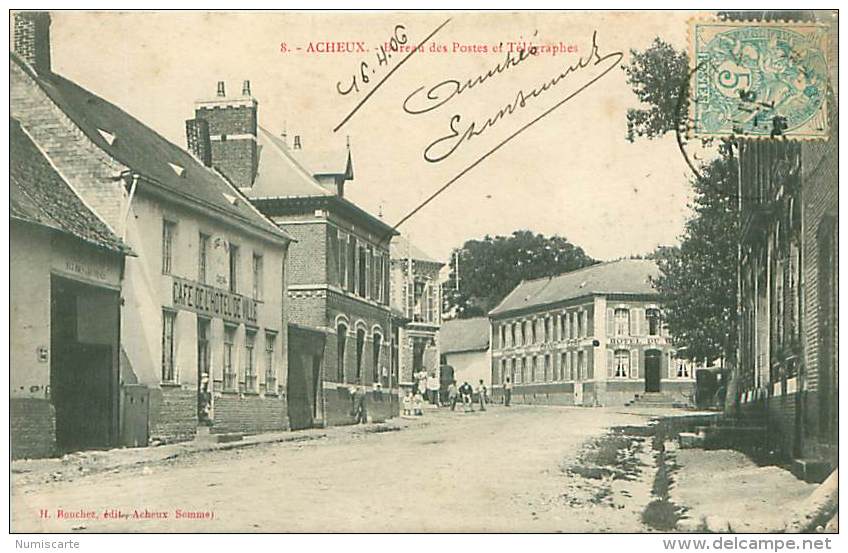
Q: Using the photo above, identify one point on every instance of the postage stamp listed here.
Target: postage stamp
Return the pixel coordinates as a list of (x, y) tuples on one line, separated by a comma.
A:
[(762, 79)]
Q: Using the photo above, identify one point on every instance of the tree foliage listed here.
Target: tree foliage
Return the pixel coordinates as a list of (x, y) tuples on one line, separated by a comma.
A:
[(697, 279), (490, 268), (659, 77)]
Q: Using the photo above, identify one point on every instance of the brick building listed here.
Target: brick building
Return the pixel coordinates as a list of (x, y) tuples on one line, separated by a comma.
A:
[(203, 322), (66, 269), (787, 370), (338, 273), (593, 336), (416, 293)]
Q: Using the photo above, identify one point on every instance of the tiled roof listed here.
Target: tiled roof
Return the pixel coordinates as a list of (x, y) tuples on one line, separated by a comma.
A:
[(403, 248), (625, 276), (39, 195), (145, 152), (460, 335), (325, 161)]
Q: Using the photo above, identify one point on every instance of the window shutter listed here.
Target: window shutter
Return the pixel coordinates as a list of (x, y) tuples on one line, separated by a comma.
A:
[(634, 363), (610, 364), (610, 318), (634, 322)]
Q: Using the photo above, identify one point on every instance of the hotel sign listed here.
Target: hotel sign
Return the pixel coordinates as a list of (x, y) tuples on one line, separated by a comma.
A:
[(211, 301)]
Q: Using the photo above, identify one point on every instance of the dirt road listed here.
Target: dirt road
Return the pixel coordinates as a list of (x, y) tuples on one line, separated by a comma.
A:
[(503, 470)]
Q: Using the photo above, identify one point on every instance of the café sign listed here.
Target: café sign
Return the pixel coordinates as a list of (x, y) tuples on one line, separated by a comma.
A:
[(211, 301)]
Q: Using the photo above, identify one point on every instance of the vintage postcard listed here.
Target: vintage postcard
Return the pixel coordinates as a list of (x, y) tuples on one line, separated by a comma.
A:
[(424, 271)]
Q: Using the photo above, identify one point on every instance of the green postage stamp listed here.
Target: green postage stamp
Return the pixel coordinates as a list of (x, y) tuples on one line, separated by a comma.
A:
[(763, 79)]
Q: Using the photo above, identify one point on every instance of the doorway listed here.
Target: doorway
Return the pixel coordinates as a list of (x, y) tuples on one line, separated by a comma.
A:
[(204, 382), (84, 337), (652, 371)]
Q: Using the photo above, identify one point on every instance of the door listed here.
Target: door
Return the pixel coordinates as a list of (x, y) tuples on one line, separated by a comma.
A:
[(652, 371), (578, 392), (204, 382)]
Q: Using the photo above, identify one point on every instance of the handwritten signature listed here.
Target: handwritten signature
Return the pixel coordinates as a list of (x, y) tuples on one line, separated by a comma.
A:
[(458, 135), (443, 147)]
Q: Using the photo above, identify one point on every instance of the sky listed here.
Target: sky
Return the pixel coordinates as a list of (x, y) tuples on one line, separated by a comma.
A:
[(571, 172)]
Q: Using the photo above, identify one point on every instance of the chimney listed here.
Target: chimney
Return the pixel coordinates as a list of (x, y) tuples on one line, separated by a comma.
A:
[(231, 127), (197, 137), (297, 145), (32, 39)]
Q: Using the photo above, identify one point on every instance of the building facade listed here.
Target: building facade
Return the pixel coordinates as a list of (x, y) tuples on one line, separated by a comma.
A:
[(66, 272), (787, 371), (416, 292), (338, 273), (594, 336), (203, 321)]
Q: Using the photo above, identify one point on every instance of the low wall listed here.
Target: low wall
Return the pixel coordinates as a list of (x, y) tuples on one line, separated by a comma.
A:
[(249, 414), (32, 427)]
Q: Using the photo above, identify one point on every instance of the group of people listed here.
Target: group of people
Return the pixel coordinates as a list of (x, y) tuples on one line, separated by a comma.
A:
[(426, 389), (465, 393)]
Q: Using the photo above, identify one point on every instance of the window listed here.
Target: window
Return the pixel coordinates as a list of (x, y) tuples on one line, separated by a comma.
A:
[(360, 353), (270, 369), (622, 322), (202, 258), (653, 316), (682, 368), (534, 370), (533, 330), (621, 363), (351, 265), (565, 366), (512, 335), (580, 328), (502, 335), (548, 373), (234, 262), (250, 380), (363, 272), (343, 261), (513, 374), (581, 364), (378, 276), (169, 229), (377, 344), (257, 277), (341, 337), (229, 367), (168, 372), (548, 329)]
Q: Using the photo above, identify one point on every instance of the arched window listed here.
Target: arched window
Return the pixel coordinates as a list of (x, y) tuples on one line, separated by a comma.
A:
[(377, 345), (621, 363), (341, 340)]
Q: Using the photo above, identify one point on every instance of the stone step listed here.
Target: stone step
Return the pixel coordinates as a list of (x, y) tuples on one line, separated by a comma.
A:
[(814, 471)]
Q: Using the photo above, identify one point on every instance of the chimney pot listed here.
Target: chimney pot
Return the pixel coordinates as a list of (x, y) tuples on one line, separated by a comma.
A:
[(221, 92), (297, 144), (245, 88)]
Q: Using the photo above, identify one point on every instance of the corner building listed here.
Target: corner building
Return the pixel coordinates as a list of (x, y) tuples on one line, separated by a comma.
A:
[(591, 337), (339, 265)]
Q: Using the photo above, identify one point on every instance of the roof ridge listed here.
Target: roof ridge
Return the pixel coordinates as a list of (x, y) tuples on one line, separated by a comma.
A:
[(301, 169), (573, 271)]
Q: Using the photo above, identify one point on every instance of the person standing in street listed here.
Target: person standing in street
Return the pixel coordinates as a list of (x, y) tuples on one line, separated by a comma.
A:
[(465, 391), (453, 394), (482, 395), (433, 389), (507, 392)]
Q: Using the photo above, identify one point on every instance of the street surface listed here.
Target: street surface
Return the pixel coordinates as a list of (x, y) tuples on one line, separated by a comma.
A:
[(503, 470)]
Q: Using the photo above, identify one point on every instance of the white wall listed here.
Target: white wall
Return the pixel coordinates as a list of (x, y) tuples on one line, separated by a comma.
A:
[(471, 367)]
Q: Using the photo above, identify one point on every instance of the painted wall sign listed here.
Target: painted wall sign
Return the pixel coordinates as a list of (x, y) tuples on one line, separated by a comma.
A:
[(215, 302)]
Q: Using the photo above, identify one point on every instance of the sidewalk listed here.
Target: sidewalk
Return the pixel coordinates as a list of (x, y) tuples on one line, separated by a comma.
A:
[(85, 463)]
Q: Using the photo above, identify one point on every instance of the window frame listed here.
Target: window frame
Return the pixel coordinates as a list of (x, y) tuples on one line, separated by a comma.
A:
[(169, 233)]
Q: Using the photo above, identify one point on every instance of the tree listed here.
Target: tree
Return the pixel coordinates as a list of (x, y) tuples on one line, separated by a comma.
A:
[(697, 281), (659, 78), (490, 268)]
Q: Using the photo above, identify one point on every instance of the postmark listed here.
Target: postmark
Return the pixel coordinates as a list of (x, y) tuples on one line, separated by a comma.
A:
[(758, 79)]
